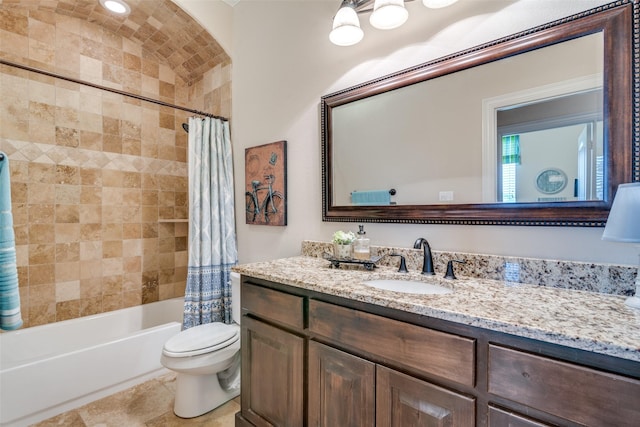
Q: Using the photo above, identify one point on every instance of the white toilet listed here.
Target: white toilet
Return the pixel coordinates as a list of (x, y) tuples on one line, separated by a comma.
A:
[(207, 361)]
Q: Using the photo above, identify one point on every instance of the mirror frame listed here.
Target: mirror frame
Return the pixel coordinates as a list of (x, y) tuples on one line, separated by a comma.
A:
[(621, 88)]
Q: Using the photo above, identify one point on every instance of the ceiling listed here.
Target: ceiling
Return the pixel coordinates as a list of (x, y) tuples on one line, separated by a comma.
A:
[(161, 27)]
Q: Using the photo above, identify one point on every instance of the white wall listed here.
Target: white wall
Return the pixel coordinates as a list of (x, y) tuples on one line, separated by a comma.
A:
[(283, 63)]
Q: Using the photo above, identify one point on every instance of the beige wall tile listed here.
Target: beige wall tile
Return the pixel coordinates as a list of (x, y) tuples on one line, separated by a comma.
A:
[(90, 213), (90, 250), (132, 265), (111, 231), (85, 203), (112, 249), (41, 214), (132, 231), (14, 44), (67, 291), (113, 266), (42, 254), (67, 194), (41, 193), (67, 310), (68, 252), (90, 269), (41, 52), (91, 288), (42, 233), (67, 213), (67, 233), (67, 271), (43, 274), (91, 232)]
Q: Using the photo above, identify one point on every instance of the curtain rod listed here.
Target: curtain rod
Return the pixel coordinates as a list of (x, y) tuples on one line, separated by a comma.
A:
[(108, 89)]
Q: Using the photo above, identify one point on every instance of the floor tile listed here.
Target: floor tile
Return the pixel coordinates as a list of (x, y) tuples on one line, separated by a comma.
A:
[(149, 404)]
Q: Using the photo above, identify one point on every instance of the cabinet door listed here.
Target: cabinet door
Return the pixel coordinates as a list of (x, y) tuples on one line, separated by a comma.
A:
[(341, 388), (272, 375), (403, 401)]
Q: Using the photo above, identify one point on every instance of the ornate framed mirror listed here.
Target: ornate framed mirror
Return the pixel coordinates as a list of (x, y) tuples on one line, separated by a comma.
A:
[(563, 96)]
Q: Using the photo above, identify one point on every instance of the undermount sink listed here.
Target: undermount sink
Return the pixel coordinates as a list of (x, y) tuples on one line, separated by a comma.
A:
[(408, 286)]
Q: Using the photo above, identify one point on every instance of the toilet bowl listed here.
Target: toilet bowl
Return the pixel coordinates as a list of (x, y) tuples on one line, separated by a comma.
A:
[(206, 359)]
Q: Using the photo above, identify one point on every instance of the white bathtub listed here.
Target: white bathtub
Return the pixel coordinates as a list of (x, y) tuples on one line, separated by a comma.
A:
[(46, 370)]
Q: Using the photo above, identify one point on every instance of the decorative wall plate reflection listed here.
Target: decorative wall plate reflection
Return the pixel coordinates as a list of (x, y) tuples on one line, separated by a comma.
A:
[(551, 181)]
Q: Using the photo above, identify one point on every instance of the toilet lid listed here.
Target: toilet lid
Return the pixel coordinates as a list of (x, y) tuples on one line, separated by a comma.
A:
[(202, 339)]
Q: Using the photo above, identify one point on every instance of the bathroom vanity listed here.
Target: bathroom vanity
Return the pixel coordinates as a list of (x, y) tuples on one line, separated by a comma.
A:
[(319, 348)]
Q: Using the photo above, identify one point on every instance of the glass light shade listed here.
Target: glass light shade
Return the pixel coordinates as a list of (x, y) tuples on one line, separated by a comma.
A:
[(346, 27), (437, 4), (388, 14), (623, 224)]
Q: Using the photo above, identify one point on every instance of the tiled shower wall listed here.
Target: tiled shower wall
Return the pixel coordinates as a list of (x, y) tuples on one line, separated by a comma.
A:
[(99, 180)]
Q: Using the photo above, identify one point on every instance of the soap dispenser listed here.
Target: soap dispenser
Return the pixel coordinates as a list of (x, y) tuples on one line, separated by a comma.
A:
[(361, 246)]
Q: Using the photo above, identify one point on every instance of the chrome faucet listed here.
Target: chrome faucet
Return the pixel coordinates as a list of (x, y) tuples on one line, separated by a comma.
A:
[(427, 264)]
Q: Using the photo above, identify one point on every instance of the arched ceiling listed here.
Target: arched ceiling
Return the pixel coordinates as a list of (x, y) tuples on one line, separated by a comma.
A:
[(159, 26)]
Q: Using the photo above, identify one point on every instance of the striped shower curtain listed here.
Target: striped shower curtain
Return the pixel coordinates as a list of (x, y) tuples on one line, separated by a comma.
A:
[(212, 232)]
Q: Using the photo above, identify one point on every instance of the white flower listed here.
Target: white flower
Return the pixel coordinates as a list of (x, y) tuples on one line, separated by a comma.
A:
[(342, 238)]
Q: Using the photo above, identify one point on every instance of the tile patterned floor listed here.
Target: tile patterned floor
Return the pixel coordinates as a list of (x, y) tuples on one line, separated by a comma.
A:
[(149, 404)]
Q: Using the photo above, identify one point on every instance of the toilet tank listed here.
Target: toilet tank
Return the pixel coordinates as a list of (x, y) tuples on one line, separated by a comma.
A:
[(235, 297)]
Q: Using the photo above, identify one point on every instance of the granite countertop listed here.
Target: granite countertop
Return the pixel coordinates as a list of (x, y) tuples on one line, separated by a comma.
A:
[(589, 321)]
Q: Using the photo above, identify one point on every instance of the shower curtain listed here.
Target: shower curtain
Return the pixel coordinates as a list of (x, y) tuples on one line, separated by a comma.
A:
[(212, 233)]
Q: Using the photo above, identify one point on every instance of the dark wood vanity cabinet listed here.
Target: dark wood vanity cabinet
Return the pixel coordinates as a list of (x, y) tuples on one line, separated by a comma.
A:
[(336, 363), (273, 359)]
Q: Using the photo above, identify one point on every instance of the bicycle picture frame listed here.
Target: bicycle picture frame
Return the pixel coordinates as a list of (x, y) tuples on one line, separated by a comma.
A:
[(266, 184)]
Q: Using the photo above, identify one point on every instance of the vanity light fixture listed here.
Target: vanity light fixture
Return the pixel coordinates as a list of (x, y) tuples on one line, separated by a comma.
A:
[(623, 225), (385, 15), (116, 6)]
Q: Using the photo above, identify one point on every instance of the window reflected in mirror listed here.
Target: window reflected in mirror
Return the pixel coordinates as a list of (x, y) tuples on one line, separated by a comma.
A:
[(550, 151)]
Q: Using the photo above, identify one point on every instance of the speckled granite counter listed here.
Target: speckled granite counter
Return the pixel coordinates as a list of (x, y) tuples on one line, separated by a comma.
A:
[(589, 321)]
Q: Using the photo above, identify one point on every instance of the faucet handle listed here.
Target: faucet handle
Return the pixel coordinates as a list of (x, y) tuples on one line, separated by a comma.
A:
[(450, 274), (403, 263)]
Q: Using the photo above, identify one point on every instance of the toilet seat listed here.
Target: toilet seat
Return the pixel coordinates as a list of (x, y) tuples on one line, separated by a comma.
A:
[(201, 339)]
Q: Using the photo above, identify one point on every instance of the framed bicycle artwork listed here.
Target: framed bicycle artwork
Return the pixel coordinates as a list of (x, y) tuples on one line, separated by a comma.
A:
[(266, 184)]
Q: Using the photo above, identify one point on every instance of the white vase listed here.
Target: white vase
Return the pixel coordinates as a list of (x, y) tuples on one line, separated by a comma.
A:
[(342, 251)]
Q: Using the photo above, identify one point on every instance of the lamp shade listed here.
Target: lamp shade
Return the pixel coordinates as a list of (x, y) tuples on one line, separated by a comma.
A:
[(623, 224), (346, 26), (388, 14)]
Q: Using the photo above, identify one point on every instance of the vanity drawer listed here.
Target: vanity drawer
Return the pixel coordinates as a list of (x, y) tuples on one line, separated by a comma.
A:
[(500, 418), (276, 306), (420, 349), (582, 395)]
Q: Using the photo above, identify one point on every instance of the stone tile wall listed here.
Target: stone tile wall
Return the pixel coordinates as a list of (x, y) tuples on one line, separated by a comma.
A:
[(99, 180)]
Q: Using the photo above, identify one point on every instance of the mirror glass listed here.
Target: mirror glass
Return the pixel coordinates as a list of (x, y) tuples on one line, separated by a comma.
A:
[(432, 152), (519, 130)]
